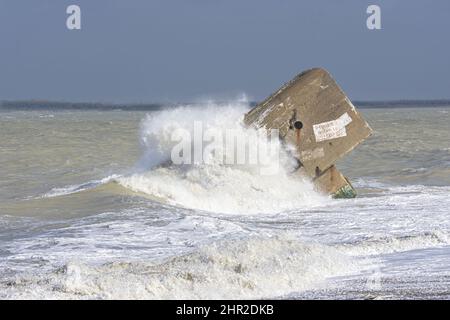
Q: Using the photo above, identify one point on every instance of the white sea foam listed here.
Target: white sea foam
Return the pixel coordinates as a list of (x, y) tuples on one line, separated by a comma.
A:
[(56, 192), (251, 268), (115, 255), (215, 186), (390, 244)]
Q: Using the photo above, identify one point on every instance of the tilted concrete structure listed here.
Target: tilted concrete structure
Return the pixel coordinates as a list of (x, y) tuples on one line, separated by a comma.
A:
[(312, 113)]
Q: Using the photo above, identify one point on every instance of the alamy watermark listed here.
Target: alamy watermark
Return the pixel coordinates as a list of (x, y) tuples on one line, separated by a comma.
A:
[(206, 145)]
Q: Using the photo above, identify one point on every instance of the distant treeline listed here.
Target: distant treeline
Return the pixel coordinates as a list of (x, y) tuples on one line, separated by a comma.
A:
[(52, 105), (402, 103)]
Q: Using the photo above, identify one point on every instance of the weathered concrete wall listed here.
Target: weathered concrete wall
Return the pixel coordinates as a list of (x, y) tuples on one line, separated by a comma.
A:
[(313, 114)]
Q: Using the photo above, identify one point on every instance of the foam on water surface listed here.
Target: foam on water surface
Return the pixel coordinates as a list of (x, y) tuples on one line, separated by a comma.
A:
[(252, 268)]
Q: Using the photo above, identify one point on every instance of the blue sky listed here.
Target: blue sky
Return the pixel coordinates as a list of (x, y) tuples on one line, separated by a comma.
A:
[(187, 50)]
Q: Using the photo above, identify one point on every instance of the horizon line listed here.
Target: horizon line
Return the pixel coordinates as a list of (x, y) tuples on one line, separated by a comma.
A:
[(43, 104)]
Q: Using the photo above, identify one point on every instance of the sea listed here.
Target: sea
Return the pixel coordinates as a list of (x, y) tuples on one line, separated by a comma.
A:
[(92, 208)]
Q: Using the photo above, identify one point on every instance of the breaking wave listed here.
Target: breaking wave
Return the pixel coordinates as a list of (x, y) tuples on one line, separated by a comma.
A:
[(211, 185), (251, 268), (215, 186)]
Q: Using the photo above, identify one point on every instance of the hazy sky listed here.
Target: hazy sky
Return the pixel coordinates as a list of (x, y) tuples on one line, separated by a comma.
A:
[(186, 50)]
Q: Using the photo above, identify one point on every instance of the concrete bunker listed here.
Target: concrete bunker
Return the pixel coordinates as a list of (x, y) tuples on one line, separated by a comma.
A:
[(313, 114)]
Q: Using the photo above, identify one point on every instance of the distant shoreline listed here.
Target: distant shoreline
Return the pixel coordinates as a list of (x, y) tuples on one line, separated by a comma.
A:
[(402, 103), (55, 105)]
